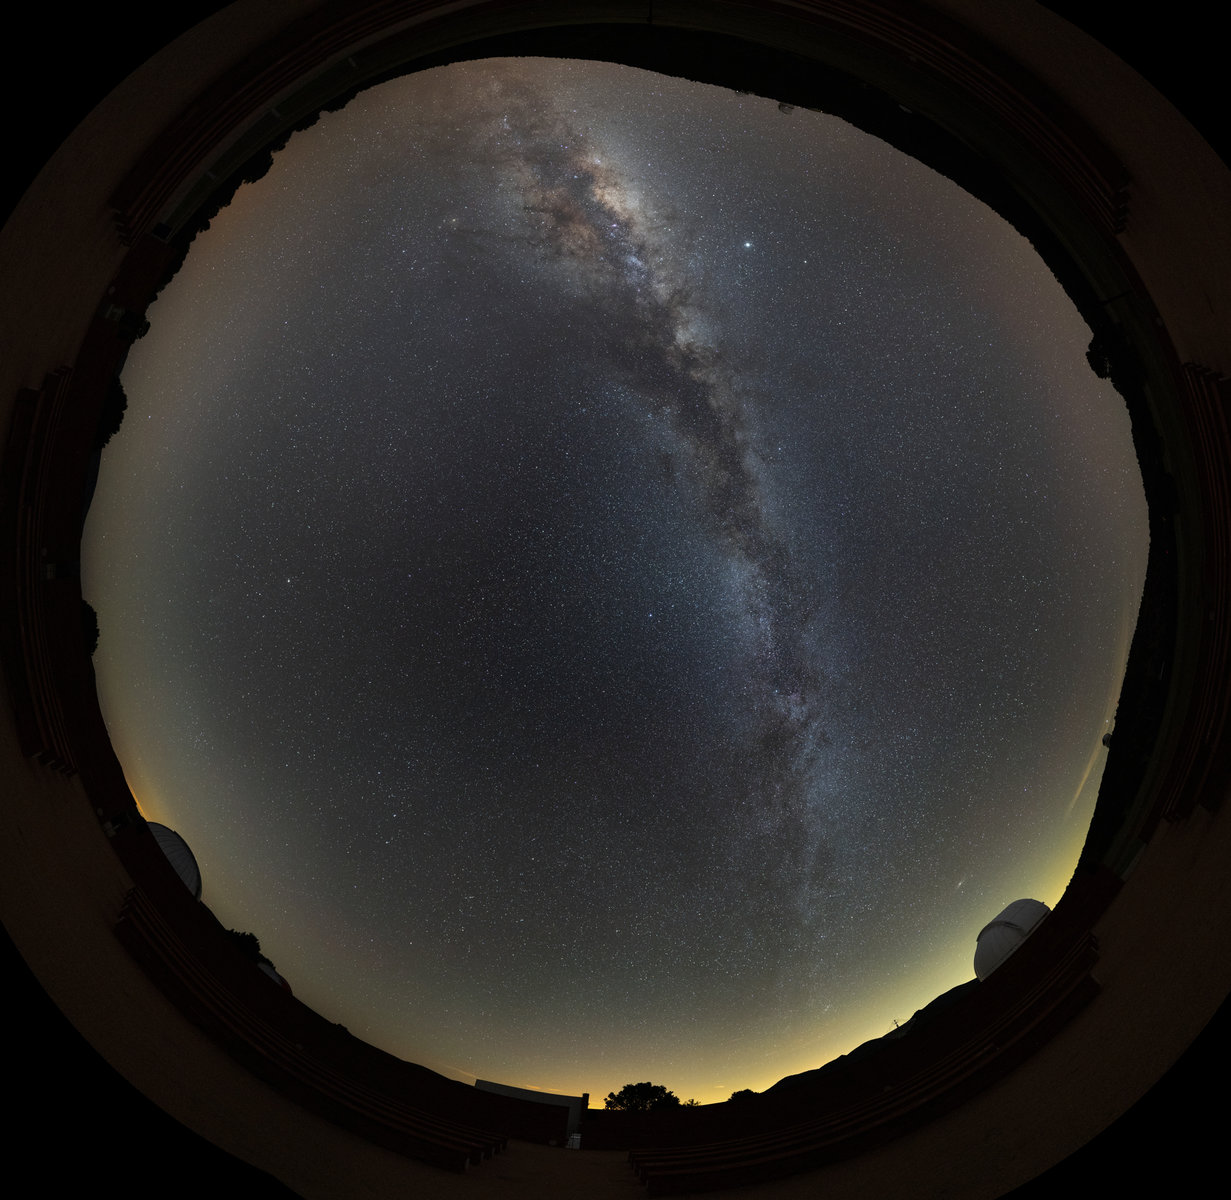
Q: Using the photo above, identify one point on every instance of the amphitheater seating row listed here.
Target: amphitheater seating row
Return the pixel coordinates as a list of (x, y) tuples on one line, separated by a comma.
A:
[(381, 1118), (1011, 1027)]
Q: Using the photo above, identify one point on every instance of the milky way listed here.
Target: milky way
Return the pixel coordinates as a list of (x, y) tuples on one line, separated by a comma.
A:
[(613, 579), (586, 214)]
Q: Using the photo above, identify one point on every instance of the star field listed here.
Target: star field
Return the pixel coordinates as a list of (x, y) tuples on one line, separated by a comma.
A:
[(614, 580)]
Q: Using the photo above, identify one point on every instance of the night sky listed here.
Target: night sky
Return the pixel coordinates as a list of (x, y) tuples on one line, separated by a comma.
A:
[(614, 579)]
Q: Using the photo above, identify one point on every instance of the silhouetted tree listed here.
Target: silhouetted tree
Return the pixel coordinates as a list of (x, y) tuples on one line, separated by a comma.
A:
[(1098, 358), (89, 626), (642, 1097), (742, 1095), (257, 167), (133, 325), (112, 416), (249, 944)]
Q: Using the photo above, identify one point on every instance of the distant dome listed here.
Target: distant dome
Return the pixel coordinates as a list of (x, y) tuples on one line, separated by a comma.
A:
[(1000, 937), (272, 972), (181, 858)]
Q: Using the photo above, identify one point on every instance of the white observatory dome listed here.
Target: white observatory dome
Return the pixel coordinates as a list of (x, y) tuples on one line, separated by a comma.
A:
[(1001, 936), (181, 857)]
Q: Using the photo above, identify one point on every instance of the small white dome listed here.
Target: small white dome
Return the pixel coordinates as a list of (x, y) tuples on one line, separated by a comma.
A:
[(1000, 937), (182, 858)]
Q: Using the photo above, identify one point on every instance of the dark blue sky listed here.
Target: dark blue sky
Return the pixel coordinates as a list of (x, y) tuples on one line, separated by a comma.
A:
[(614, 580)]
